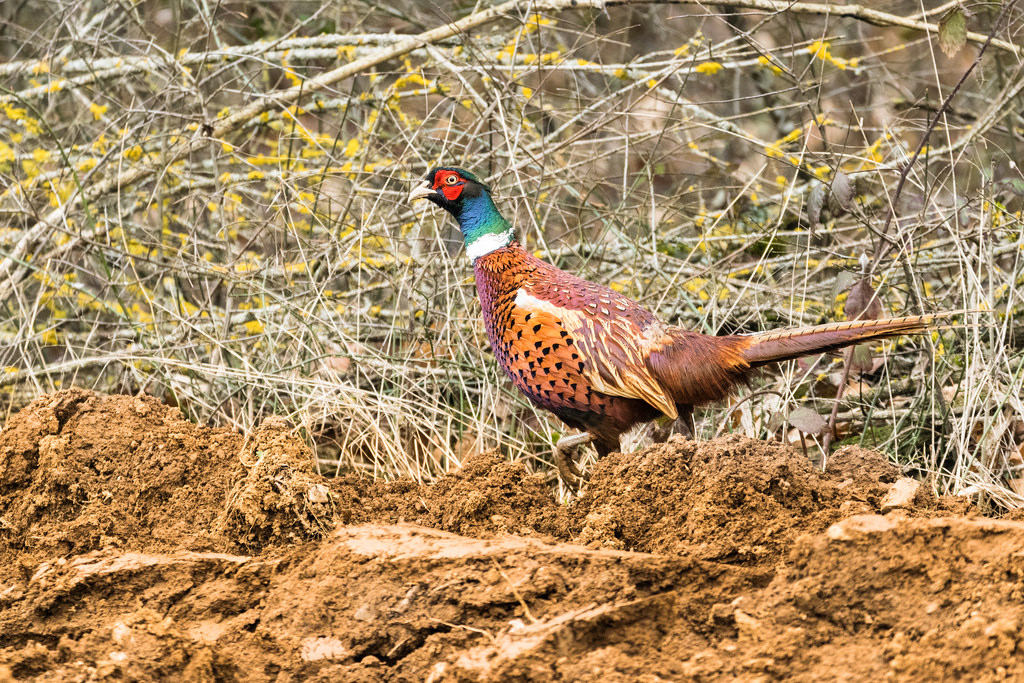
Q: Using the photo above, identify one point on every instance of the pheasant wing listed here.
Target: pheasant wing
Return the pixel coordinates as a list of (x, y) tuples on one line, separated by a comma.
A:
[(594, 338)]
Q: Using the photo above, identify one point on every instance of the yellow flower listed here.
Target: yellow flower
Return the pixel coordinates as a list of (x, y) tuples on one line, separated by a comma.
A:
[(709, 68)]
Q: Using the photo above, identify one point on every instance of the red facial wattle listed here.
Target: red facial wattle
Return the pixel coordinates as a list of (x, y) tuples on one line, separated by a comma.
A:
[(450, 191)]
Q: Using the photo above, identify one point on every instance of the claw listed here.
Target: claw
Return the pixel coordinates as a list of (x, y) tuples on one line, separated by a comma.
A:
[(568, 471)]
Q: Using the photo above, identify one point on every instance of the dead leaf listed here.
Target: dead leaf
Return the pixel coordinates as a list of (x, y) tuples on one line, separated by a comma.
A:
[(841, 197), (815, 202), (808, 421), (861, 303), (953, 31), (843, 430), (861, 360)]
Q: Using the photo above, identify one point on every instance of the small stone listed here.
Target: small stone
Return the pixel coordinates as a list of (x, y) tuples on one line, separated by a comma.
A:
[(901, 494), (120, 632), (318, 494), (748, 626), (859, 526), (759, 663), (722, 614), (318, 648), (366, 612)]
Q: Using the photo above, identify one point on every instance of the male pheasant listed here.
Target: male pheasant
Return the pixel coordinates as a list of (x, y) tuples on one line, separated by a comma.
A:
[(599, 361)]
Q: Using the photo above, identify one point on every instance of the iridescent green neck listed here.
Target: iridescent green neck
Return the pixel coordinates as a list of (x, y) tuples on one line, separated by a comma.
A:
[(484, 229)]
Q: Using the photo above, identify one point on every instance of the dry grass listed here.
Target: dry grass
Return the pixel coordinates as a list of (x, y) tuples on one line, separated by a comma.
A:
[(211, 208)]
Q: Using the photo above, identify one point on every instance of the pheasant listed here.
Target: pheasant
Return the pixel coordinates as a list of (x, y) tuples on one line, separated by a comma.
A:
[(599, 361)]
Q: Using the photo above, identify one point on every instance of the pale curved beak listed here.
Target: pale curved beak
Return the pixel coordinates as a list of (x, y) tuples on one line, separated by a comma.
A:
[(421, 191)]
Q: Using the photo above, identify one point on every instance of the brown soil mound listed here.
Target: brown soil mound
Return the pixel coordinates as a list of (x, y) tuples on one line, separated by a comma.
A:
[(80, 472), (487, 496), (137, 546), (731, 500)]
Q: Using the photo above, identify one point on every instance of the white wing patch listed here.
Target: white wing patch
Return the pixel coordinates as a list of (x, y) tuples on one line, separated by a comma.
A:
[(529, 302)]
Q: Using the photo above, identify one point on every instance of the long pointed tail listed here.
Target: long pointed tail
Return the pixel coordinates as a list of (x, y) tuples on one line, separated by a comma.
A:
[(771, 347)]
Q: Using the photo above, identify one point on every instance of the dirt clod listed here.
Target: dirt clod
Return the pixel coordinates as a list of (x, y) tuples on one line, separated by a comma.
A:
[(137, 546), (279, 497), (732, 500)]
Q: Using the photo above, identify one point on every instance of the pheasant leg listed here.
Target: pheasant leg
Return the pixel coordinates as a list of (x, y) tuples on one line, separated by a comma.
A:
[(685, 423), (563, 452)]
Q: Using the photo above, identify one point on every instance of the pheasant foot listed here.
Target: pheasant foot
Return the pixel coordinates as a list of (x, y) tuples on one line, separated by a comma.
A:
[(563, 452)]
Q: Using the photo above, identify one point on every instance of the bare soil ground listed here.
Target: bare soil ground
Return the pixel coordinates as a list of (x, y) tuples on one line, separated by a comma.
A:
[(137, 546)]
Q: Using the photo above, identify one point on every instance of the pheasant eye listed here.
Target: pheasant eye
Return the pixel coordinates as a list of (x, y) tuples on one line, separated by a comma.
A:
[(451, 180)]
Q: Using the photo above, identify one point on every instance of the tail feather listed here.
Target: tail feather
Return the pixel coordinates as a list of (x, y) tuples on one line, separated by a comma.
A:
[(695, 368), (772, 347)]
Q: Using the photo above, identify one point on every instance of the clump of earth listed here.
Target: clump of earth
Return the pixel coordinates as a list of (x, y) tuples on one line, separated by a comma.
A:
[(135, 545)]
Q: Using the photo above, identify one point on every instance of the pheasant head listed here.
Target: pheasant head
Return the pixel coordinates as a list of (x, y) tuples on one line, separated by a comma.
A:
[(461, 194)]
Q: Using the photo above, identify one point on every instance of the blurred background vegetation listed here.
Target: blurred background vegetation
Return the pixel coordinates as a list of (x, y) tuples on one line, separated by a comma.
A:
[(207, 202)]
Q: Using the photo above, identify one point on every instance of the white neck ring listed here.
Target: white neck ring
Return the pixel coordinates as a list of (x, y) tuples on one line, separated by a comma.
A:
[(488, 242)]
